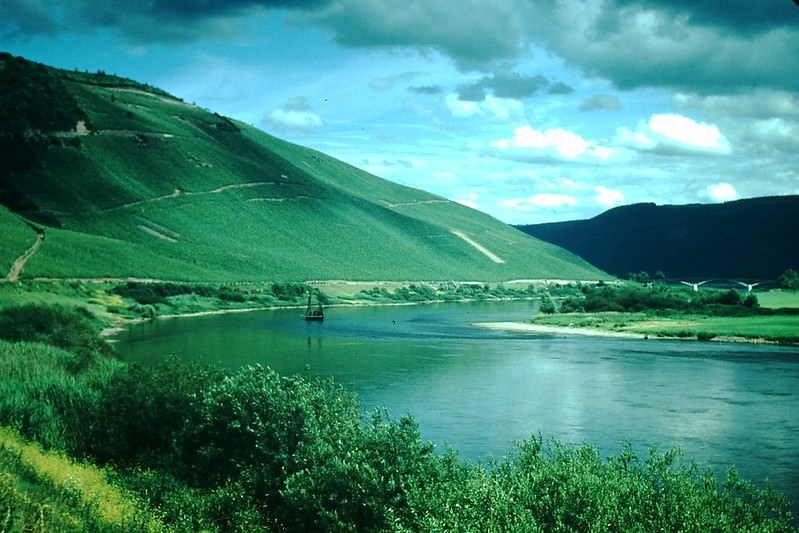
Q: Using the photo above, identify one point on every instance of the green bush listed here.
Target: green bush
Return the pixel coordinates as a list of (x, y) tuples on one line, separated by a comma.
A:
[(68, 328), (144, 414), (290, 291), (789, 280), (660, 299)]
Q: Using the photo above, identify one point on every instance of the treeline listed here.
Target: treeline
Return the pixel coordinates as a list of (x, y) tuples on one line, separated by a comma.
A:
[(446, 292), (661, 299), (147, 296), (249, 450)]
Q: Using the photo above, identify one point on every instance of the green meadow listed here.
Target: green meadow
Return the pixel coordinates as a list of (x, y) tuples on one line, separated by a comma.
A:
[(779, 299)]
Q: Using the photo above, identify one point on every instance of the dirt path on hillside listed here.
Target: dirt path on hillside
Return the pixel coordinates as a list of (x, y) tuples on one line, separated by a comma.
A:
[(19, 264), (419, 202), (477, 246), (180, 192)]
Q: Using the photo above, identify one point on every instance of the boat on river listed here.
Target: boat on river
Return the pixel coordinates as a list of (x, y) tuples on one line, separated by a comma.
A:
[(315, 313)]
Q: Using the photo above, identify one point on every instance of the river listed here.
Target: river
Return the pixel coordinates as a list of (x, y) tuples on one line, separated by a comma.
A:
[(478, 390)]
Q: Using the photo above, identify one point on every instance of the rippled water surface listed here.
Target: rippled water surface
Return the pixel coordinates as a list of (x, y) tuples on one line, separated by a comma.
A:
[(478, 390)]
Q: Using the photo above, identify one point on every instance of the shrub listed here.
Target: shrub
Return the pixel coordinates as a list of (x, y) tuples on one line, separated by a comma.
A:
[(570, 488), (64, 327), (547, 305), (289, 291), (146, 412), (789, 280)]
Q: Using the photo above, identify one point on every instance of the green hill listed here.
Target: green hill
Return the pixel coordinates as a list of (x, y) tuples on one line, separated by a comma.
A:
[(124, 180)]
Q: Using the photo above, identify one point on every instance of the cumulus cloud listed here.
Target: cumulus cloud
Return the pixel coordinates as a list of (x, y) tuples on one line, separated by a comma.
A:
[(548, 200), (507, 84), (296, 116), (600, 102), (427, 89), (752, 104), (496, 108), (739, 16), (674, 134), (642, 43), (468, 199), (719, 192), (529, 144), (775, 132), (471, 32), (703, 46), (608, 197), (154, 21)]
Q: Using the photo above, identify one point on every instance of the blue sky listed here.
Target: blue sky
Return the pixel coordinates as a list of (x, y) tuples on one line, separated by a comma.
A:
[(529, 110)]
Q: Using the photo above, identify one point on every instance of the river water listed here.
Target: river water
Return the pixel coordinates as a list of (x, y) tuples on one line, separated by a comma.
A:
[(479, 390)]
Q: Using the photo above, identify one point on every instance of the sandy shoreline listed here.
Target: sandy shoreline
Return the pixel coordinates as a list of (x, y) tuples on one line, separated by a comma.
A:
[(518, 327)]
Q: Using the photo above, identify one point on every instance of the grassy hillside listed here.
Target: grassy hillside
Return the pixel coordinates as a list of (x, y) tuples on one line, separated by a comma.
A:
[(145, 185), (747, 239)]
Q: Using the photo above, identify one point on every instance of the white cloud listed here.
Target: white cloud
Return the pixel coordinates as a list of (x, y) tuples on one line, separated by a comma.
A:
[(296, 116), (608, 197), (528, 143), (719, 192), (600, 102), (538, 200), (775, 132), (491, 106), (756, 104), (673, 133), (469, 200)]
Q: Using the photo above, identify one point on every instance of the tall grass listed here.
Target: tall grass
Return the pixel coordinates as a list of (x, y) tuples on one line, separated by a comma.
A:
[(44, 491), (49, 394)]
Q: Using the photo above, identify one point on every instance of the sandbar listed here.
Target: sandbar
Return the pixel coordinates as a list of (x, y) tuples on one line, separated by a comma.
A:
[(520, 327)]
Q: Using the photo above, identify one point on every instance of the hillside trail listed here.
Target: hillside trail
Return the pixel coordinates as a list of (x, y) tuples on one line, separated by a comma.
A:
[(180, 192), (19, 264)]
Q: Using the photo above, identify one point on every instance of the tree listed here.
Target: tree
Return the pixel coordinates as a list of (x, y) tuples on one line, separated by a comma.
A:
[(789, 280), (547, 304)]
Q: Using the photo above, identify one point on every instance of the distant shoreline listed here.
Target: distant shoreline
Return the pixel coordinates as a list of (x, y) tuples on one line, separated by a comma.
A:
[(541, 329), (122, 325)]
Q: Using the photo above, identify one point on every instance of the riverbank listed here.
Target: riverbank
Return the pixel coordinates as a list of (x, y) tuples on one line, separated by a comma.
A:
[(768, 329)]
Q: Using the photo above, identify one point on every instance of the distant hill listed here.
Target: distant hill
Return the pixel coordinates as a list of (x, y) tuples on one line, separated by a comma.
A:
[(754, 239), (113, 178)]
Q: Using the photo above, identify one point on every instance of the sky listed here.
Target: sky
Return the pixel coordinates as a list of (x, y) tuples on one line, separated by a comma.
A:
[(529, 110)]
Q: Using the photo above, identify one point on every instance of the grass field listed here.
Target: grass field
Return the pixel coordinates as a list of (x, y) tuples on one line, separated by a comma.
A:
[(775, 328), (776, 299)]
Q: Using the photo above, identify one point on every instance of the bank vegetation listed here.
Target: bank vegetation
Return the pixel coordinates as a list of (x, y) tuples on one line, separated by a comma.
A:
[(662, 311)]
